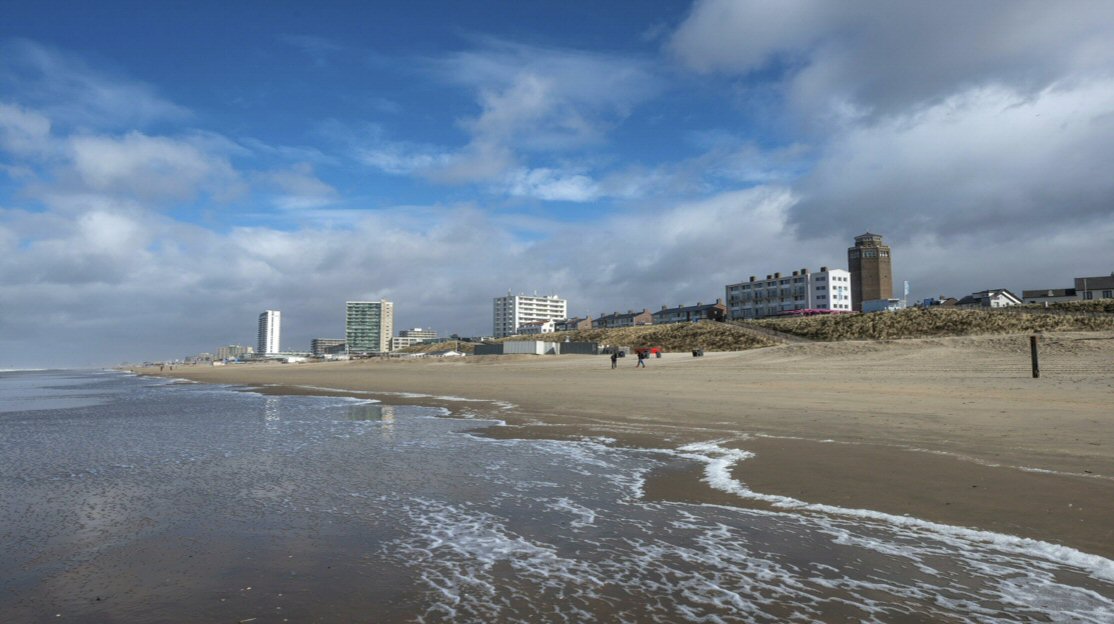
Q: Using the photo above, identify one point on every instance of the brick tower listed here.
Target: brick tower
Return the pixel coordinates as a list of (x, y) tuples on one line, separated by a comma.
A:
[(869, 264)]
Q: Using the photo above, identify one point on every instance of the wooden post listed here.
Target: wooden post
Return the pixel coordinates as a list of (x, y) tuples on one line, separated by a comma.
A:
[(1033, 353)]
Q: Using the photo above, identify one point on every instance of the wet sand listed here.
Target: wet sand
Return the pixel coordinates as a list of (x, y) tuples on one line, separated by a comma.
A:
[(951, 430)]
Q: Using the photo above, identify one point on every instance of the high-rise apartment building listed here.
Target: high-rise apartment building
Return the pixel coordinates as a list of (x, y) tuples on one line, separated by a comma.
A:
[(368, 326), (513, 311), (270, 332), (871, 275)]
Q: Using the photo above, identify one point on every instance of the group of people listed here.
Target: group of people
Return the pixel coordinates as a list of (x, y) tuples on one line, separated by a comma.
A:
[(642, 357)]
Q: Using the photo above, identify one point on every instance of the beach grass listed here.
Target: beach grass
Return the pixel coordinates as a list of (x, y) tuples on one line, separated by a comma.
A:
[(939, 322)]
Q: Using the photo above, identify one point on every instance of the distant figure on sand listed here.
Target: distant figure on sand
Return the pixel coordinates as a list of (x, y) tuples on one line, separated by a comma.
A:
[(614, 359), (641, 359)]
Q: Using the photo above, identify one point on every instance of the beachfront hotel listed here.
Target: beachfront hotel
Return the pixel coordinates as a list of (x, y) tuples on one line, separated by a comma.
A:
[(368, 326), (270, 332), (826, 289), (871, 275), (514, 311)]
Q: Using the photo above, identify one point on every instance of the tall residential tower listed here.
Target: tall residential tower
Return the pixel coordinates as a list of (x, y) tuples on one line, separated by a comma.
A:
[(513, 311), (270, 330), (368, 326), (869, 264)]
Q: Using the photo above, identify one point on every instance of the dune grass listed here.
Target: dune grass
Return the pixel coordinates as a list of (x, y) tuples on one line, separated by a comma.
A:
[(933, 322), (708, 336)]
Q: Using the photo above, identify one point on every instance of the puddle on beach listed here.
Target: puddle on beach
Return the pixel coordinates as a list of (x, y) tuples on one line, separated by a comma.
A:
[(183, 502)]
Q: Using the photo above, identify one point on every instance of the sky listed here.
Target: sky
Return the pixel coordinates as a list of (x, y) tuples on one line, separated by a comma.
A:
[(170, 170)]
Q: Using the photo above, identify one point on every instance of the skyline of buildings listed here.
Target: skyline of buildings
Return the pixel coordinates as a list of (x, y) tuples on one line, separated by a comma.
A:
[(369, 324)]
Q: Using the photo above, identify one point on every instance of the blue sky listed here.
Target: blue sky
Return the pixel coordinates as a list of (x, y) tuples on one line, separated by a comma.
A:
[(168, 170)]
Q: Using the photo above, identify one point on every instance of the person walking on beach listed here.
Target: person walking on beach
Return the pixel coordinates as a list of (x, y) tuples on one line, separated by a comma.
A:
[(641, 360), (614, 359)]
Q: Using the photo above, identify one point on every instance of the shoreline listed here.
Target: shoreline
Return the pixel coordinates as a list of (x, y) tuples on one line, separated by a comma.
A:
[(946, 430)]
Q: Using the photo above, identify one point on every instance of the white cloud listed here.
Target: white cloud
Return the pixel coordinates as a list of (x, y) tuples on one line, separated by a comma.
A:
[(551, 185), (297, 188), (67, 90), (530, 100), (148, 166), (989, 161), (23, 132), (863, 57), (403, 158)]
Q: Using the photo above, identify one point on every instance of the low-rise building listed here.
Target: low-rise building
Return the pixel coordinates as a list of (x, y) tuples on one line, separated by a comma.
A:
[(411, 337), (947, 302), (534, 328), (1049, 295), (234, 352), (691, 314), (574, 323), (1101, 287), (321, 347), (992, 298), (827, 290), (883, 305), (630, 318), (401, 342)]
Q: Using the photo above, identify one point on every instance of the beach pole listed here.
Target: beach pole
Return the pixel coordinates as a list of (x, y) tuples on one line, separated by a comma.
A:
[(1033, 355)]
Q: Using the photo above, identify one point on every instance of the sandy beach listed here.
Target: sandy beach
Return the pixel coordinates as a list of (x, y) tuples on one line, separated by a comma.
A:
[(952, 430)]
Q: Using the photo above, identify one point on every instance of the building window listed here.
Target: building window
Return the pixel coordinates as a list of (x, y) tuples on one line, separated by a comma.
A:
[(1088, 295), (1106, 294)]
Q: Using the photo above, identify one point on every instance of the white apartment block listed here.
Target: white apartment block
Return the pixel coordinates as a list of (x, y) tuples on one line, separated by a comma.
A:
[(368, 326), (514, 311), (826, 289), (270, 332)]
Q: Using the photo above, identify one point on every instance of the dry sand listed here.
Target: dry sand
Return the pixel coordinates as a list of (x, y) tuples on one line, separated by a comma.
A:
[(953, 430)]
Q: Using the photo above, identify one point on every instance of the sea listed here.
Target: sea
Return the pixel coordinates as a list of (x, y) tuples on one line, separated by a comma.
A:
[(134, 499)]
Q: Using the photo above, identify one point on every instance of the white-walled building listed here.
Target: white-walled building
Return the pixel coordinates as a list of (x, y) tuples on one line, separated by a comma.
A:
[(514, 311), (368, 326), (411, 337), (825, 290), (232, 352), (992, 298), (534, 328), (270, 332)]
